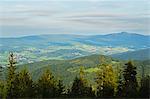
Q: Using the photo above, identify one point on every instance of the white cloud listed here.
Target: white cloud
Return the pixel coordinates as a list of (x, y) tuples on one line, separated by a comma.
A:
[(80, 16)]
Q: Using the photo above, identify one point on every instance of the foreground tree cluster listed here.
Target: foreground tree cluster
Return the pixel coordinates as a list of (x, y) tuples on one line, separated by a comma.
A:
[(19, 84)]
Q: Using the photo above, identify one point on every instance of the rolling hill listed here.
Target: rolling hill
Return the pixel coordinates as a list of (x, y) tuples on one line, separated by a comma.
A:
[(143, 54), (36, 48)]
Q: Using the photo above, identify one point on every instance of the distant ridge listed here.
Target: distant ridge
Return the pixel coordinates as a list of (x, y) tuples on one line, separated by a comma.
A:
[(67, 46), (119, 33), (143, 54)]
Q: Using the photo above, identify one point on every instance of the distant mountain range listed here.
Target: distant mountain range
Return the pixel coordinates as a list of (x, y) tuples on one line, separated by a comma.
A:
[(124, 39), (64, 46)]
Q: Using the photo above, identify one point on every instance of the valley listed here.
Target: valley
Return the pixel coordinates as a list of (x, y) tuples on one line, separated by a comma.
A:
[(32, 49)]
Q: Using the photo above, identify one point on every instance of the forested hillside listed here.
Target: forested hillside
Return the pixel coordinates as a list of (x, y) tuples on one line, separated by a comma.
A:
[(90, 76), (68, 69)]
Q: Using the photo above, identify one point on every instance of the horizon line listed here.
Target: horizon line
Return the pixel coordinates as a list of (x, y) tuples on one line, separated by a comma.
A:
[(21, 36)]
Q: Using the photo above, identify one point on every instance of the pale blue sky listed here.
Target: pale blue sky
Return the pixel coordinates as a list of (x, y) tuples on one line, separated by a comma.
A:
[(31, 17)]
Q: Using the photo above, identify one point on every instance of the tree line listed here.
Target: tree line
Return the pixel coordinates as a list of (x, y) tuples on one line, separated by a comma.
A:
[(19, 84)]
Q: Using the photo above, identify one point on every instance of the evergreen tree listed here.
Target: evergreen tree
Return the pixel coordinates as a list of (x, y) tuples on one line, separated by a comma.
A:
[(1, 69), (60, 88), (47, 87), (106, 81), (80, 87), (11, 77), (1, 84), (24, 85), (120, 85), (1, 88), (145, 87), (130, 84)]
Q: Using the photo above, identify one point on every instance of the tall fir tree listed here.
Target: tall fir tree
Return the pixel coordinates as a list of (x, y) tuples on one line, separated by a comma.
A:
[(47, 87), (130, 83), (60, 88), (145, 87), (1, 83), (119, 93), (106, 81), (1, 70), (80, 88), (10, 86), (24, 85)]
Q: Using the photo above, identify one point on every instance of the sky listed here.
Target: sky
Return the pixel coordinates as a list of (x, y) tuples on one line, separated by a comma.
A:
[(86, 17)]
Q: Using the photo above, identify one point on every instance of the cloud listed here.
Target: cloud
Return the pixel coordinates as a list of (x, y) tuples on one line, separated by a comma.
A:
[(67, 16), (110, 20)]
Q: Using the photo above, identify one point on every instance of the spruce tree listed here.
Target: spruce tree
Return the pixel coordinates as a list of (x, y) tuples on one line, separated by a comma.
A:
[(80, 87), (10, 86), (1, 69), (1, 82), (130, 83), (145, 87), (60, 88), (47, 87), (24, 85), (120, 85), (106, 81)]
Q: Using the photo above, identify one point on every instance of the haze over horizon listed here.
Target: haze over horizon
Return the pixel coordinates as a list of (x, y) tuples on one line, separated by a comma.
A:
[(80, 17)]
